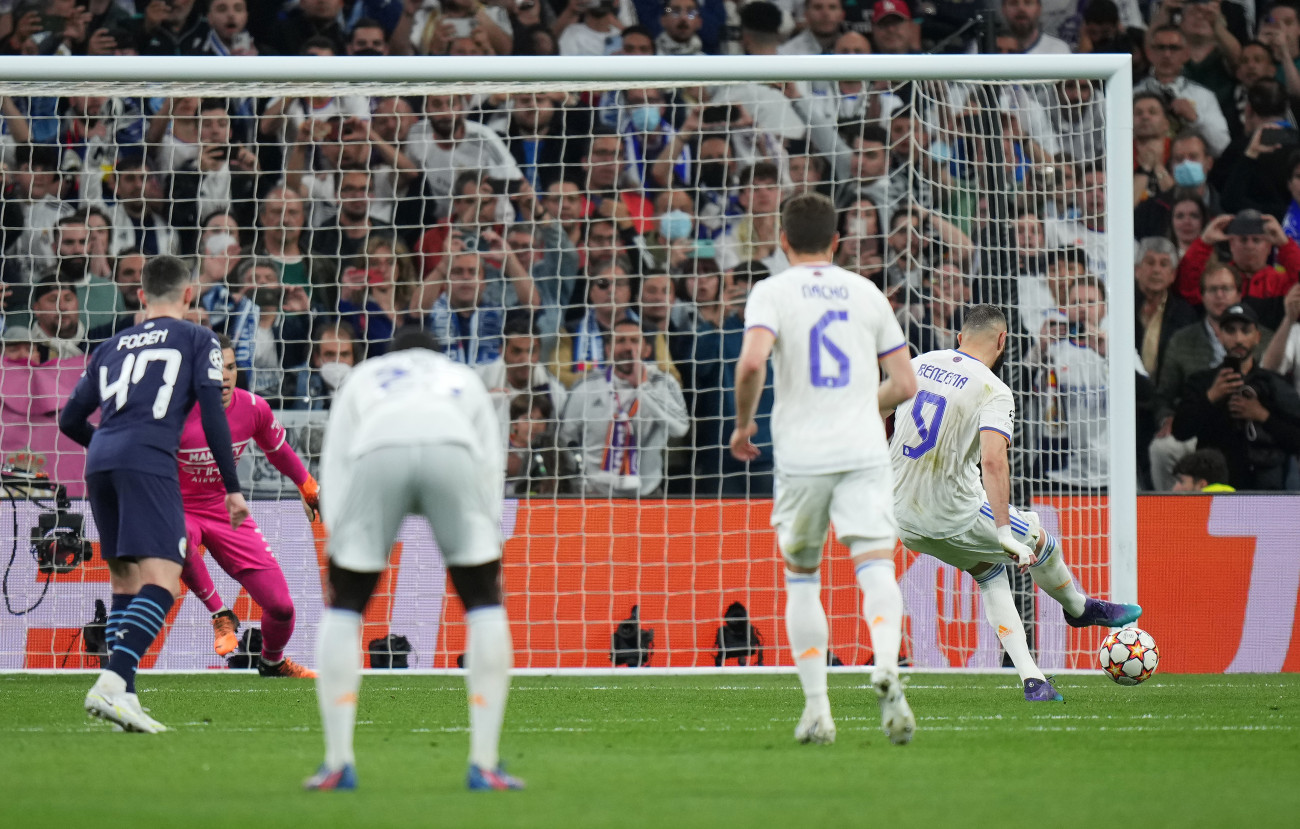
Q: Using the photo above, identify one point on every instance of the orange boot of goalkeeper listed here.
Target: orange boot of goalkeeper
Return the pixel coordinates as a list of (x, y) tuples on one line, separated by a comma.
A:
[(225, 631), (285, 668)]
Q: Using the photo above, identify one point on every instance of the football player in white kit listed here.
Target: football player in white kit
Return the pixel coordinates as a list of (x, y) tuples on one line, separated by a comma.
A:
[(952, 485), (829, 332), (412, 432)]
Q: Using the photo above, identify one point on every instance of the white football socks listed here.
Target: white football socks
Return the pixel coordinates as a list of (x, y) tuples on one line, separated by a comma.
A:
[(488, 661), (809, 634), (338, 680), (1053, 575), (882, 607), (1000, 609)]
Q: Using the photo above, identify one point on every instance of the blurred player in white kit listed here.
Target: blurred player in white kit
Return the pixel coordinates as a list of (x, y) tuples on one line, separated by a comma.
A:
[(412, 432), (829, 332)]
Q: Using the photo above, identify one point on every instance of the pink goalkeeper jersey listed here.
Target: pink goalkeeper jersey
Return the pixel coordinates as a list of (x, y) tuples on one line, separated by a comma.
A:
[(251, 419)]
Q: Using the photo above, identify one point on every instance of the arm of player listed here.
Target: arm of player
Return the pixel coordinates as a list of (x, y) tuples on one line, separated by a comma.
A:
[(751, 370), (273, 441), (74, 420), (216, 429), (997, 489), (900, 385)]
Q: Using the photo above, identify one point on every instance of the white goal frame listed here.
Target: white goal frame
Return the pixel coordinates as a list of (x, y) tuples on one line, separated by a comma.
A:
[(27, 75)]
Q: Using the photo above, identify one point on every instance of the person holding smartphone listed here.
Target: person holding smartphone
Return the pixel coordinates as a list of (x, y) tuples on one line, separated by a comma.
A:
[(1250, 414)]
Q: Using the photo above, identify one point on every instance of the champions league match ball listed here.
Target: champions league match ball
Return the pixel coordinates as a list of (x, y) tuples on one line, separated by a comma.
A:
[(1129, 655)]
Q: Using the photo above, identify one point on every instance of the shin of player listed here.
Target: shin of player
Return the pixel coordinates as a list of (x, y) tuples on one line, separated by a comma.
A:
[(413, 433), (828, 332)]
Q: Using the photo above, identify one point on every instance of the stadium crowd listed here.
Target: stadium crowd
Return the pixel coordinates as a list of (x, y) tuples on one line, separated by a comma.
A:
[(590, 253)]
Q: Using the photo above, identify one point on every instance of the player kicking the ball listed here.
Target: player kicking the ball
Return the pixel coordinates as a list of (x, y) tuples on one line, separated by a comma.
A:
[(828, 331), (958, 424), (242, 552), (411, 432)]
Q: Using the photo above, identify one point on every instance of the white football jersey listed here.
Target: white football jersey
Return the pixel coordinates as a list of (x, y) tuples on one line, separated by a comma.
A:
[(832, 327), (406, 398), (935, 450)]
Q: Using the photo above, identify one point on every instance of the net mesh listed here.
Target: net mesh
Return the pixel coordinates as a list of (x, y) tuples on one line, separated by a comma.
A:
[(518, 224)]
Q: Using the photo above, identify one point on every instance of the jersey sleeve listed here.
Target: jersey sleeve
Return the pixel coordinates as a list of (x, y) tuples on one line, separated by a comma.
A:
[(998, 414), (267, 431), (74, 419), (889, 334), (207, 361), (761, 309)]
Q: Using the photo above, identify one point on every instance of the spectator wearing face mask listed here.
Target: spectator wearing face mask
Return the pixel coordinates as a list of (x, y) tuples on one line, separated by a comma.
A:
[(333, 355)]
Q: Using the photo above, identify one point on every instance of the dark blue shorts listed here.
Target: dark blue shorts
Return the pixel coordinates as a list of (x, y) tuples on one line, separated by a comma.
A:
[(139, 515)]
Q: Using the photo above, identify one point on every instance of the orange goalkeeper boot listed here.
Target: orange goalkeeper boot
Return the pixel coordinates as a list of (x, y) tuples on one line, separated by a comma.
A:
[(225, 630)]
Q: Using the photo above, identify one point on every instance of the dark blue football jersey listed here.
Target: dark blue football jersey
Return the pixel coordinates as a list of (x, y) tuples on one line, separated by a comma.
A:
[(144, 381)]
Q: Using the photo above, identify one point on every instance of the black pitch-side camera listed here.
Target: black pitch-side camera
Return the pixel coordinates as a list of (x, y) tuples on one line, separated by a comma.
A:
[(57, 542)]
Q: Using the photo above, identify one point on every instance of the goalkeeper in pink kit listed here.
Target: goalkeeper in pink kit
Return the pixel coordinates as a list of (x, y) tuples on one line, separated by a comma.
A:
[(242, 552)]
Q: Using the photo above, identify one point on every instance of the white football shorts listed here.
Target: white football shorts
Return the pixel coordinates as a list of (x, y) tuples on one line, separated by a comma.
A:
[(979, 544), (859, 503), (439, 481)]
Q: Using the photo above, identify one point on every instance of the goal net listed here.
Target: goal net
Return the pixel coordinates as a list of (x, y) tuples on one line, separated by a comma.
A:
[(325, 203)]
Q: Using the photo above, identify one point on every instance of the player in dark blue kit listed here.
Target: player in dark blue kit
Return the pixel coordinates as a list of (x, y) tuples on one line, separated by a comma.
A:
[(144, 381)]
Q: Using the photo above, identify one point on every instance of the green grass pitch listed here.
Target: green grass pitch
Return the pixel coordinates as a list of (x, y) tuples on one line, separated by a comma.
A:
[(677, 752)]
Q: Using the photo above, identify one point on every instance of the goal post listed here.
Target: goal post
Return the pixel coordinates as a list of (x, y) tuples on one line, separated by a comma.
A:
[(651, 531)]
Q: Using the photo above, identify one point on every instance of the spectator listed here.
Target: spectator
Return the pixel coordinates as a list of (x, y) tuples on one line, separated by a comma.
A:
[(519, 372), (281, 238), (712, 383), (19, 346), (656, 312), (367, 39), (1212, 50), (1280, 31), (1253, 240), (228, 30), (377, 291), (139, 208), (597, 34), (1160, 311), (1022, 18), (352, 226), (1263, 152), (127, 268), (221, 178), (446, 143), (534, 464), (1191, 349), (99, 244), (584, 345), (333, 354), (1191, 164), (1082, 379), (311, 19), (756, 233), (946, 295), (1248, 413), (824, 24), (435, 30), (1152, 131), (56, 319), (861, 240), (98, 299), (621, 419), (33, 206), (1255, 64), (469, 331), (541, 135), (1283, 353), (1188, 217), (171, 27), (1191, 103), (892, 29), (1205, 470), (681, 22)]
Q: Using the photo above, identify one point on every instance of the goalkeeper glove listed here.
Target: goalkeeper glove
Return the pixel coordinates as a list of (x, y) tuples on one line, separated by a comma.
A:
[(1021, 553), (310, 491)]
